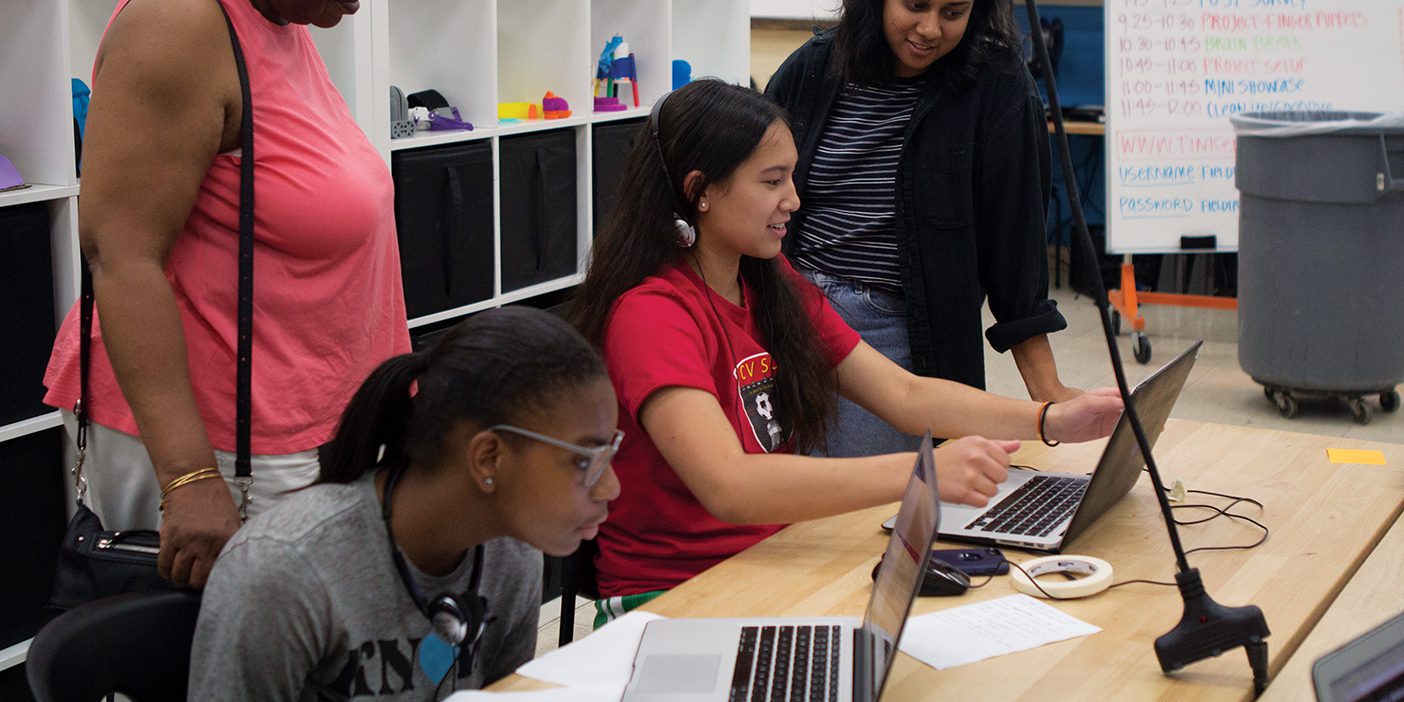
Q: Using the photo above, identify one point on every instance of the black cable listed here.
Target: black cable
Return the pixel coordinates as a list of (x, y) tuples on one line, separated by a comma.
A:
[(1140, 580), (1071, 577), (451, 673), (1035, 582), (1218, 512), (1223, 512), (988, 578), (1231, 515)]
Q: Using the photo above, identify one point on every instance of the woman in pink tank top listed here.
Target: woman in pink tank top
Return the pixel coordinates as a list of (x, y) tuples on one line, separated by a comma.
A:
[(158, 224)]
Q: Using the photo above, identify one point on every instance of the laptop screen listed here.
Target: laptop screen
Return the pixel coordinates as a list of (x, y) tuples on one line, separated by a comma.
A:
[(1366, 669), (1120, 466), (899, 577)]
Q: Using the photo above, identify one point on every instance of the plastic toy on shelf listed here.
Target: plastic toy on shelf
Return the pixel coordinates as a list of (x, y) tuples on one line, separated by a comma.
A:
[(615, 68), (609, 104), (10, 178), (555, 106), (682, 73), (510, 112), (428, 110)]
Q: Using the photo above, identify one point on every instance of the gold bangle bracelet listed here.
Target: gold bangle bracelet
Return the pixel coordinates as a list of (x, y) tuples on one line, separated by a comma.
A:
[(184, 480), (192, 476), (1042, 416)]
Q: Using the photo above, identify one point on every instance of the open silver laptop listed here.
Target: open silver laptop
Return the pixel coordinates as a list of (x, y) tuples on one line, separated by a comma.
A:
[(1046, 511), (822, 659)]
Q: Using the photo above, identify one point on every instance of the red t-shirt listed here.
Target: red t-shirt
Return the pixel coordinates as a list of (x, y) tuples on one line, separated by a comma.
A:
[(665, 332)]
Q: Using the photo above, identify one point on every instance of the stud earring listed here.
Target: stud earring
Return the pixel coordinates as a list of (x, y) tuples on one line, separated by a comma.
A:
[(488, 483), (702, 206)]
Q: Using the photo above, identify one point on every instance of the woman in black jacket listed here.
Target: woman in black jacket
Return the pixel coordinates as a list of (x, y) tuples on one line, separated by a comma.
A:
[(924, 172)]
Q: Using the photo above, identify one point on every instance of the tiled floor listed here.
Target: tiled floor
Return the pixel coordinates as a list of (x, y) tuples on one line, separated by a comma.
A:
[(546, 634), (1217, 391)]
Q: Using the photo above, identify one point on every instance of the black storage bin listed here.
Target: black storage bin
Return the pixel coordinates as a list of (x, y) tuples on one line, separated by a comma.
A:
[(443, 215), (612, 142), (538, 208), (26, 310), (33, 514)]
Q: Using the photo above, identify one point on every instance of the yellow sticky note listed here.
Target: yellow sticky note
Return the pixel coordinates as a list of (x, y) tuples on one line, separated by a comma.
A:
[(1369, 458)]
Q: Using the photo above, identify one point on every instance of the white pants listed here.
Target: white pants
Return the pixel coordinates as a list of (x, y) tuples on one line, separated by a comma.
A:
[(123, 491)]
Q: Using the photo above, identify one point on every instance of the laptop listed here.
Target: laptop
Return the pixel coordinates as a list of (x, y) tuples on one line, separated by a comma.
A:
[(823, 658), (1365, 669), (1045, 511)]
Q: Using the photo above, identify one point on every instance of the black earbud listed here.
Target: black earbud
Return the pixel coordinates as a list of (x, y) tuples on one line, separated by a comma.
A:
[(685, 232), (459, 620)]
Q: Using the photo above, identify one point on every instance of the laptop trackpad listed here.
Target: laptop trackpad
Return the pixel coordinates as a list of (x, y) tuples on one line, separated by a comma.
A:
[(678, 673)]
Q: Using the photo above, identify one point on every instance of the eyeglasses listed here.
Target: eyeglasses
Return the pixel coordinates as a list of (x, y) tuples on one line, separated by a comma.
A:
[(591, 459)]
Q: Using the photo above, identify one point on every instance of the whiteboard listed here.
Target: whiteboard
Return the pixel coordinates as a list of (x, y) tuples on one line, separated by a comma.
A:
[(1176, 71), (795, 9)]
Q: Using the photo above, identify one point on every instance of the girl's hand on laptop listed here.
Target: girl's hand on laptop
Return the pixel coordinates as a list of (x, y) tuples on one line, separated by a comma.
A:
[(1091, 415), (970, 469)]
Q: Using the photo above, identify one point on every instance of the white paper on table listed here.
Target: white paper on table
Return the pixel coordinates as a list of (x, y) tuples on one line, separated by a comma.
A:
[(987, 629), (601, 662), (555, 694)]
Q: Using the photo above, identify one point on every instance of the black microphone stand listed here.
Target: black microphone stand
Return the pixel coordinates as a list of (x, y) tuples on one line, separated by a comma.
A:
[(1207, 628)]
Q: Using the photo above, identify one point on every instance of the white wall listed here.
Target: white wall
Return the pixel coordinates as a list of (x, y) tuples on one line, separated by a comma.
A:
[(795, 9)]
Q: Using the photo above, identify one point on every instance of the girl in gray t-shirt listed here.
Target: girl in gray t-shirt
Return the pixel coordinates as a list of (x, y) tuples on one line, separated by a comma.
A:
[(411, 568)]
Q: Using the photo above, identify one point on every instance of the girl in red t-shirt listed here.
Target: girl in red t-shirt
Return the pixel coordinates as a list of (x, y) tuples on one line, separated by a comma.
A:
[(727, 363)]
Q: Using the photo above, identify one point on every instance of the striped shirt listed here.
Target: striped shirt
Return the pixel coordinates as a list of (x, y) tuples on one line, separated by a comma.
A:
[(849, 202)]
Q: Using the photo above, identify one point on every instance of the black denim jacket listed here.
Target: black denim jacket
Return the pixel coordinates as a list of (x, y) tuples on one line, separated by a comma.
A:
[(972, 192)]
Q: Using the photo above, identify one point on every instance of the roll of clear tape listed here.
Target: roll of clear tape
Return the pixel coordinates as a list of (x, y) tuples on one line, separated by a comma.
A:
[(1095, 576)]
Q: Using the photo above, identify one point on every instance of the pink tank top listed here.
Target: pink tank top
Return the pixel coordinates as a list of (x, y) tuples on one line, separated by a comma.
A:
[(328, 304)]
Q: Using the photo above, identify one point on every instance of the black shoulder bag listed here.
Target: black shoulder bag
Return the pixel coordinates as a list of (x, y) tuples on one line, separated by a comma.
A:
[(94, 563)]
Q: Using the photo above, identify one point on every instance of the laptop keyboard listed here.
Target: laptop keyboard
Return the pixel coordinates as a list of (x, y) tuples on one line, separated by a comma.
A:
[(1035, 509), (786, 664)]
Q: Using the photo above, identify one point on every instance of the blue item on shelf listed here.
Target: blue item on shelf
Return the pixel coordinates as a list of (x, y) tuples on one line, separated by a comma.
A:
[(623, 68), (81, 94), (682, 73), (604, 67)]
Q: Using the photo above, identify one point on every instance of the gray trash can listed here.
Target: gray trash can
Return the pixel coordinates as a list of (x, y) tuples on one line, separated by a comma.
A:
[(1321, 256)]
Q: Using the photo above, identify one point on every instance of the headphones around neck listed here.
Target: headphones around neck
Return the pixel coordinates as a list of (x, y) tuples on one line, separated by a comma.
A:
[(685, 231), (459, 620)]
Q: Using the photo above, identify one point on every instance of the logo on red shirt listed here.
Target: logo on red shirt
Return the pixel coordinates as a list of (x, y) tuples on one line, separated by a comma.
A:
[(756, 386)]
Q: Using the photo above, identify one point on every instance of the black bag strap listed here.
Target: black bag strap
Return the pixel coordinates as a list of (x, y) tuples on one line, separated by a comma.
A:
[(244, 380), (85, 348), (243, 470)]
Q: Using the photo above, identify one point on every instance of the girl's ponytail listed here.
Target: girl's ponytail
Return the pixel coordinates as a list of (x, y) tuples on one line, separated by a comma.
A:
[(378, 416), (489, 369)]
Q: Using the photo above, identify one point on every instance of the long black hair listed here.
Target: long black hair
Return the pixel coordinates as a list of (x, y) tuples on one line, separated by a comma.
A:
[(489, 369), (863, 56), (710, 127)]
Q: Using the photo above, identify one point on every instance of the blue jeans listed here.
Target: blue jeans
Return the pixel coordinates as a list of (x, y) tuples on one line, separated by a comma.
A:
[(880, 317)]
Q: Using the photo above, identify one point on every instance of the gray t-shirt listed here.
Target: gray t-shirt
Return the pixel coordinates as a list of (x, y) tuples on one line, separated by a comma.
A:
[(304, 603)]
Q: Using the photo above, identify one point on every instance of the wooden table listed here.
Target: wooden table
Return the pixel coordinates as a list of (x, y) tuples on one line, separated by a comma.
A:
[(1325, 520)]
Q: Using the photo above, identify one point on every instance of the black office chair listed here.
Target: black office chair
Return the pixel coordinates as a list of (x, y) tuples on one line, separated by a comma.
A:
[(577, 578), (137, 644)]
